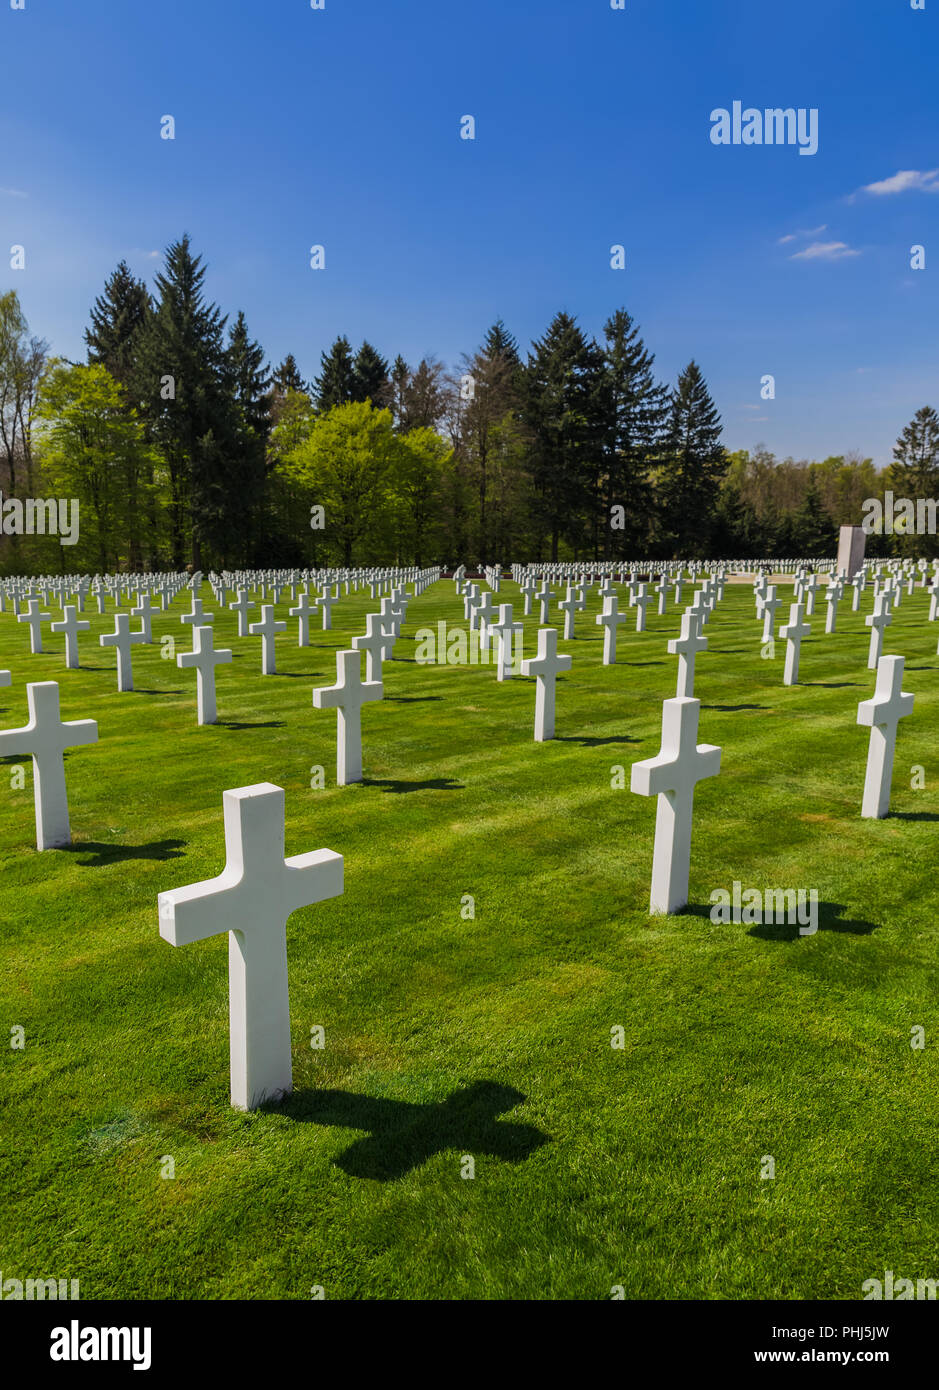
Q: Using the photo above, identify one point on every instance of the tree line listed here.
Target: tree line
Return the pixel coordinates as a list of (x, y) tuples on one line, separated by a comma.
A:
[(183, 445)]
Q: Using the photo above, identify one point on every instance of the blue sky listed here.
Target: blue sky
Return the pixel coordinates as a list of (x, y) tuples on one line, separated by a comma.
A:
[(341, 127)]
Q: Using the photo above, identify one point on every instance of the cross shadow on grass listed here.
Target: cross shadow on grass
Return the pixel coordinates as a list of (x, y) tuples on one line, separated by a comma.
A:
[(104, 853), (594, 742), (410, 699), (732, 709), (913, 815), (138, 691), (258, 724), (403, 1135), (643, 663), (432, 784), (828, 920), (832, 685)]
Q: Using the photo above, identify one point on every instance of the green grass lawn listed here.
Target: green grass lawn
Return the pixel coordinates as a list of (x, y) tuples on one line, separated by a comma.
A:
[(490, 1037)]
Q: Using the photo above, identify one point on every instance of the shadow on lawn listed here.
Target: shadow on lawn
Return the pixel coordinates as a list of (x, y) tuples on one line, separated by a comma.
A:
[(113, 854), (402, 1135), (595, 742), (433, 784), (832, 685), (912, 815), (260, 724), (732, 709), (410, 699), (828, 920)]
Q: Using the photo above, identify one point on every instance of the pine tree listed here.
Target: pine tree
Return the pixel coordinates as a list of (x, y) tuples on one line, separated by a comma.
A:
[(248, 385), (638, 409), (914, 474), (398, 382), (370, 377), (562, 414), (812, 529), (118, 320), (489, 398), (336, 381), (287, 377), (694, 464), (189, 406)]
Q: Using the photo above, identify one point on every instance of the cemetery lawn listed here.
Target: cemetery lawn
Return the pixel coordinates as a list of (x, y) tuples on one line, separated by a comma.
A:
[(448, 1038)]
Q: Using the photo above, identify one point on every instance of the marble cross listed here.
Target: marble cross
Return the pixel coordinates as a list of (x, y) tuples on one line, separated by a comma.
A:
[(204, 657), (35, 618), (196, 616), (568, 607), (240, 605), (303, 613), (643, 599), (325, 602), (374, 644), (769, 605), (877, 621), (144, 611), (267, 629), (686, 647), (546, 667), (609, 620), (793, 632), (544, 600), (251, 901), (71, 625), (881, 715), (833, 598), (347, 697), (123, 639), (506, 630), (672, 777), (45, 739)]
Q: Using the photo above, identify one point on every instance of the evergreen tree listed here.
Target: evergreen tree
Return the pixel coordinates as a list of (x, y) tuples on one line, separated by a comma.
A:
[(637, 413), (424, 397), (287, 377), (118, 320), (813, 531), (488, 397), (248, 383), (370, 377), (336, 381), (398, 385), (693, 466), (189, 406), (565, 426)]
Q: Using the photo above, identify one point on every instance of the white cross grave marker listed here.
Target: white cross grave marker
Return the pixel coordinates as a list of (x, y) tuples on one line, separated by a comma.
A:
[(251, 900), (672, 776), (45, 739), (267, 629), (35, 618), (546, 667), (881, 715), (686, 647), (609, 620), (240, 605), (71, 625), (123, 639), (793, 632), (877, 621), (204, 657), (347, 697)]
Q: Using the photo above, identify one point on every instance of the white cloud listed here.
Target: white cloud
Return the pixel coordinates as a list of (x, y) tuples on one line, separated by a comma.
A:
[(923, 182), (793, 236), (13, 193), (825, 251)]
